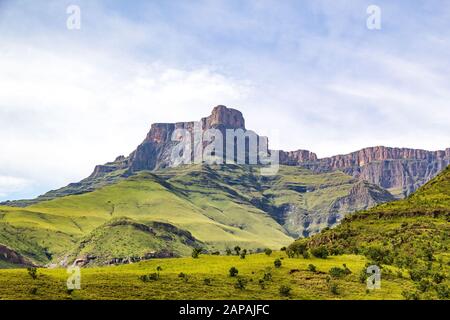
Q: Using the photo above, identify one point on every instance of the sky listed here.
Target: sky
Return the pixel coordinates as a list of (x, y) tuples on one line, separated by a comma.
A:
[(308, 74)]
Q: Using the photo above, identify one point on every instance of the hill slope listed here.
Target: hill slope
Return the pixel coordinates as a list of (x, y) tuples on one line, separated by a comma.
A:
[(220, 206)]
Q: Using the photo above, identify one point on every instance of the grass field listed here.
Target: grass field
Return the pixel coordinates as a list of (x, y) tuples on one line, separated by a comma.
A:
[(122, 282)]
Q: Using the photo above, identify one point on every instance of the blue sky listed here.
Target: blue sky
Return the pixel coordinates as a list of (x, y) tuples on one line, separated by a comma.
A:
[(309, 74)]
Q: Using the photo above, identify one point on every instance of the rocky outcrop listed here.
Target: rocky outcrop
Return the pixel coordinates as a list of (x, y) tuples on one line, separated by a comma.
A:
[(294, 158), (10, 256), (401, 169)]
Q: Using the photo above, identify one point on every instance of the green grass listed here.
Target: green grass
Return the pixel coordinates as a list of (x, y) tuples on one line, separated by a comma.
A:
[(221, 206), (122, 282), (413, 233)]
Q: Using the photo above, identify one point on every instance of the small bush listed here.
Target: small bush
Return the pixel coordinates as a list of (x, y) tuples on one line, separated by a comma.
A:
[(33, 290), (424, 285), (438, 277), (334, 288), (183, 276), (207, 281), (228, 251), (262, 284), (32, 272), (237, 249), (320, 252), (337, 272), (149, 277), (240, 284), (277, 263), (243, 254), (267, 251), (285, 291), (443, 291), (196, 252), (312, 268), (267, 276), (411, 295), (283, 249), (233, 272)]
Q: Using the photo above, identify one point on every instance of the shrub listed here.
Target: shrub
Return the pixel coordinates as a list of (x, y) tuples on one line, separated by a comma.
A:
[(334, 288), (443, 291), (149, 277), (243, 254), (267, 276), (424, 285), (240, 284), (285, 291), (283, 249), (262, 283), (267, 251), (312, 268), (337, 272), (237, 249), (438, 277), (183, 276), (233, 272), (207, 281), (379, 255), (33, 290), (411, 295), (277, 263), (196, 252), (228, 251), (320, 252), (32, 272), (299, 247)]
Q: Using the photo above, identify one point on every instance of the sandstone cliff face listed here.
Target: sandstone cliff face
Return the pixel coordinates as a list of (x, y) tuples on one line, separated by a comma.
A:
[(294, 158), (401, 169)]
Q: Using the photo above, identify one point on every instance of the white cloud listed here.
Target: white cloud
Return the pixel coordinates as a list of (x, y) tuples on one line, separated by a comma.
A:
[(10, 185)]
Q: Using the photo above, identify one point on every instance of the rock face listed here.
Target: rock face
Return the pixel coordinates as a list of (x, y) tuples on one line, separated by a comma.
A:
[(11, 256), (400, 169), (155, 151), (294, 158)]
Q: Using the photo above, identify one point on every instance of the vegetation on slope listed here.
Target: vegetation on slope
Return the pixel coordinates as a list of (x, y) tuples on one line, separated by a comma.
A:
[(208, 277), (413, 233)]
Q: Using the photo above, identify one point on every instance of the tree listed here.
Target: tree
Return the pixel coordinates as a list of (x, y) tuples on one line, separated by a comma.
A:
[(277, 263), (196, 252), (228, 251), (320, 252), (243, 253), (267, 251), (237, 249), (32, 272), (233, 272)]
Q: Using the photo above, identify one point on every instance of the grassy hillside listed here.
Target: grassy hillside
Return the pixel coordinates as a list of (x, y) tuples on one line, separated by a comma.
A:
[(221, 206), (208, 278), (413, 233)]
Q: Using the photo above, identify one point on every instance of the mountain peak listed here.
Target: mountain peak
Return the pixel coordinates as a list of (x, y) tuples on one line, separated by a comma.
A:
[(221, 116)]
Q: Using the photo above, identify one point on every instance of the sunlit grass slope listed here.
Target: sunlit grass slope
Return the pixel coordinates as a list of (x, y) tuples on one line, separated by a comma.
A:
[(122, 282)]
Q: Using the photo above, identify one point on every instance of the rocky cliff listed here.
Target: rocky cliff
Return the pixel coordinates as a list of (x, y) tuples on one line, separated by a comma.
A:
[(400, 170)]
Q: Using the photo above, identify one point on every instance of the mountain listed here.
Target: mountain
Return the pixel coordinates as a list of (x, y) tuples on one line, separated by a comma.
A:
[(214, 206), (412, 233), (399, 170)]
